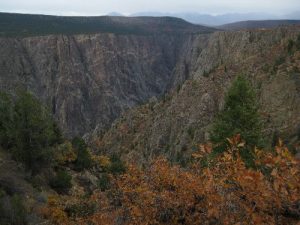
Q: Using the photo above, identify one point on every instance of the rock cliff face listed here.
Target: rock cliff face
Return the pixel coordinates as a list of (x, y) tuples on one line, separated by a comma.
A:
[(88, 80), (177, 123)]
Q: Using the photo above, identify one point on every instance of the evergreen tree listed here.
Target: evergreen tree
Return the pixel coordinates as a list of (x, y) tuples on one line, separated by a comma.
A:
[(62, 182), (83, 160), (6, 113), (34, 132), (239, 116)]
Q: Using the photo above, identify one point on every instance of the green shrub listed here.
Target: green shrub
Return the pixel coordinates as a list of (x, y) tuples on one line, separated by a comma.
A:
[(61, 182), (275, 138), (12, 211), (2, 193), (298, 42), (104, 182), (181, 159), (19, 213), (206, 74), (36, 182), (191, 132), (280, 60), (117, 166), (178, 88), (6, 119), (2, 212), (84, 160), (290, 46), (81, 210)]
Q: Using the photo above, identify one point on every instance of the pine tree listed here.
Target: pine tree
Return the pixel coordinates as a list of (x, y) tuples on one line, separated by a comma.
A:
[(239, 116), (34, 132), (83, 160), (6, 113)]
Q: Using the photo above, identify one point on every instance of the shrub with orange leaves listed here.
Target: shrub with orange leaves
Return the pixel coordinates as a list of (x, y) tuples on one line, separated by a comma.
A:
[(54, 212), (225, 192)]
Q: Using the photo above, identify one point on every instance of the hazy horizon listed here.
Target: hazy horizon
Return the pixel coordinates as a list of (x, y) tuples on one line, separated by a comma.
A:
[(128, 7), (158, 13)]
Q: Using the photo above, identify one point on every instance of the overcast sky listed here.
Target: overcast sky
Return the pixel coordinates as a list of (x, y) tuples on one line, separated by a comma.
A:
[(101, 7)]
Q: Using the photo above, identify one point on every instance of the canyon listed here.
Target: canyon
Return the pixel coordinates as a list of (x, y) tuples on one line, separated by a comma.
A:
[(90, 80), (136, 99)]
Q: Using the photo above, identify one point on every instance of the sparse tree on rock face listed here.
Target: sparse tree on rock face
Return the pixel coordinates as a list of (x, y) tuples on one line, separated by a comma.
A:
[(239, 116)]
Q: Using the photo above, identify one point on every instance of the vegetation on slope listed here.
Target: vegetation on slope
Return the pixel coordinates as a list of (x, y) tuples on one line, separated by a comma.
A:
[(20, 25), (29, 133), (226, 192), (223, 190), (258, 24), (210, 190)]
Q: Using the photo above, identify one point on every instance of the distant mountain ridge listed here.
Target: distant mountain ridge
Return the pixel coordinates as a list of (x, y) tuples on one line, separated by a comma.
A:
[(256, 24), (217, 20), (12, 24)]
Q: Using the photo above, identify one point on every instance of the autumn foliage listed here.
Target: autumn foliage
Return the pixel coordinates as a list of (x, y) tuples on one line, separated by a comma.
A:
[(224, 192)]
